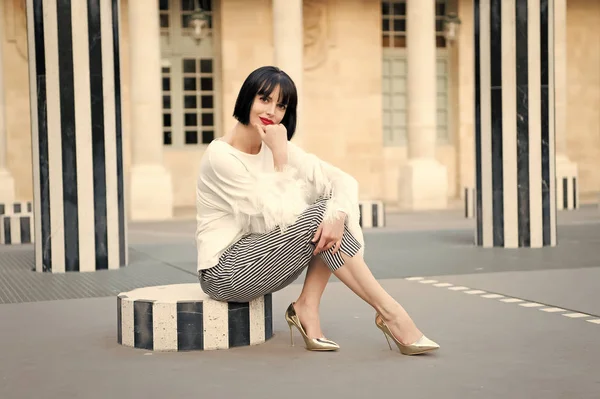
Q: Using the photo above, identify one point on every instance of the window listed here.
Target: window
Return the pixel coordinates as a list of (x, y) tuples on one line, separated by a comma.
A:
[(167, 117), (198, 101), (395, 99), (393, 23), (189, 77)]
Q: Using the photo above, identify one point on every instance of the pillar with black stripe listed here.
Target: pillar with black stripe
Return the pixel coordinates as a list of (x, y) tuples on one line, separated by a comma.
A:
[(75, 95), (514, 123)]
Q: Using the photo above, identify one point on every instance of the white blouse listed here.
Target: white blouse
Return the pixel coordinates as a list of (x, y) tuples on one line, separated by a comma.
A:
[(239, 193)]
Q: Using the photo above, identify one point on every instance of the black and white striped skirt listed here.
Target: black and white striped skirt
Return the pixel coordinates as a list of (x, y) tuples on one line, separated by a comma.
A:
[(259, 264)]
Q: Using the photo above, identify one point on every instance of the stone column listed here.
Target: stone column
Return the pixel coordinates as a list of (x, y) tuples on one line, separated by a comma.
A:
[(423, 180), (566, 170), (7, 183), (514, 123), (151, 187), (288, 41), (75, 95)]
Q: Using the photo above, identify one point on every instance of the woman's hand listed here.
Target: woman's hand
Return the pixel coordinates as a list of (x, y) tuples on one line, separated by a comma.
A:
[(275, 137), (329, 234)]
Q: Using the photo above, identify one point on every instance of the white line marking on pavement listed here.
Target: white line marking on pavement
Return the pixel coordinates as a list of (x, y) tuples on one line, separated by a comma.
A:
[(576, 315), (520, 302), (492, 296), (511, 300), (530, 305), (553, 310)]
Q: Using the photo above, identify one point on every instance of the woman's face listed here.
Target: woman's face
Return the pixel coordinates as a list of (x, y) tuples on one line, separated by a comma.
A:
[(266, 110)]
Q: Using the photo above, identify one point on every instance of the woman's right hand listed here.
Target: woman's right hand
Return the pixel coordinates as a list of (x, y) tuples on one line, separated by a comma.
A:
[(275, 137)]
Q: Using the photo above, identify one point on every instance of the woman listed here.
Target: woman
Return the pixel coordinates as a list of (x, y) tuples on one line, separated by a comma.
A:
[(267, 210)]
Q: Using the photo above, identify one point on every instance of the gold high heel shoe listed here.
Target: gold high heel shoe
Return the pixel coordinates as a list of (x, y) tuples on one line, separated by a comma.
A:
[(312, 344), (422, 345)]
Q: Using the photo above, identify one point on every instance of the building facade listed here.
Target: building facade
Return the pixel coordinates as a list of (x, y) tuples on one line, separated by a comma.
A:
[(363, 68)]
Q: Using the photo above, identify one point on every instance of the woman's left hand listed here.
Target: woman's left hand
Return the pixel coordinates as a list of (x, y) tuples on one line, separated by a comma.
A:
[(329, 234)]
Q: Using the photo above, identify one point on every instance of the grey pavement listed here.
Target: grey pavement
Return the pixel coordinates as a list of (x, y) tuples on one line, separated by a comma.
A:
[(58, 332)]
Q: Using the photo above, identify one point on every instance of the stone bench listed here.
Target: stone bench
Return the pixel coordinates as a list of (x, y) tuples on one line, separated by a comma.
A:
[(372, 213), (567, 192), (16, 229), (12, 208), (181, 317), (470, 202)]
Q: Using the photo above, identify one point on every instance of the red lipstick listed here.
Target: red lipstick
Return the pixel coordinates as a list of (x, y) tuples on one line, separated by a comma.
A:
[(266, 121)]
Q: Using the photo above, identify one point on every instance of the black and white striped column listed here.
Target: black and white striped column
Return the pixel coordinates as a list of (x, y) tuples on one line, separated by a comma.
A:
[(514, 123), (76, 135)]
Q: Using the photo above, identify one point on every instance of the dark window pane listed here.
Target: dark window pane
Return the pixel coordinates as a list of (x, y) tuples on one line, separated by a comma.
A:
[(207, 119), (167, 139), (386, 25), (205, 4), (191, 137), (189, 66), (439, 25), (167, 102), (206, 84), (207, 101), (164, 5), (190, 102), (400, 8), (187, 5), (167, 120), (385, 8), (164, 21), (399, 41), (166, 69), (189, 84), (185, 21), (386, 41), (166, 84), (206, 66), (399, 25), (440, 9), (440, 41), (208, 136), (191, 120)]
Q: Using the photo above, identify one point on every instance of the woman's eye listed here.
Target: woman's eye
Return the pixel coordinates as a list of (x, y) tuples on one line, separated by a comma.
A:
[(282, 106)]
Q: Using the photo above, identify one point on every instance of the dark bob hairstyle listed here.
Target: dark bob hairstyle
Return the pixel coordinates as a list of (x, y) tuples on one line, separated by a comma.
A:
[(263, 81)]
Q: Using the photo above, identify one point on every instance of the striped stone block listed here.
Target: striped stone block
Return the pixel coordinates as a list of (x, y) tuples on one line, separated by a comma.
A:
[(16, 207), (16, 229), (181, 317), (567, 193), (470, 203), (372, 213)]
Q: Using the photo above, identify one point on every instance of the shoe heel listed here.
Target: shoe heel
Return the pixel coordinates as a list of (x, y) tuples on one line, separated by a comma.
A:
[(388, 340), (291, 334)]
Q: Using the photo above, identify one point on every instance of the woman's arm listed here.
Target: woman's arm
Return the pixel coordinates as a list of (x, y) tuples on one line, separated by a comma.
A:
[(327, 179)]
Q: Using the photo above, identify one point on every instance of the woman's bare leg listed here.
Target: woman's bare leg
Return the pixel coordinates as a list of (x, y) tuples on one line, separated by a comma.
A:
[(307, 304), (358, 277)]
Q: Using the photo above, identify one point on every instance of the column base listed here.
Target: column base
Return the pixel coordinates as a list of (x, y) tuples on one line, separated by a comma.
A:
[(7, 187), (567, 195), (423, 185), (151, 193)]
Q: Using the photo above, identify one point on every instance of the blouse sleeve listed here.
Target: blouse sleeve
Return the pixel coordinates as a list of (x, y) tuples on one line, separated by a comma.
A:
[(327, 179), (260, 201)]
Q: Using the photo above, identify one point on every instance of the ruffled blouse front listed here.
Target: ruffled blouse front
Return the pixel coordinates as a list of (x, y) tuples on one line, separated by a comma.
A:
[(239, 194)]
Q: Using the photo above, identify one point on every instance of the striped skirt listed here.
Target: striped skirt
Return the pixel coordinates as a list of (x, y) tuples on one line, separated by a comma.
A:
[(259, 264)]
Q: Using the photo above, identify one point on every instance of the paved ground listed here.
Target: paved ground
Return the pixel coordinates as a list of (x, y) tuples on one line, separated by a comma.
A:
[(512, 323)]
